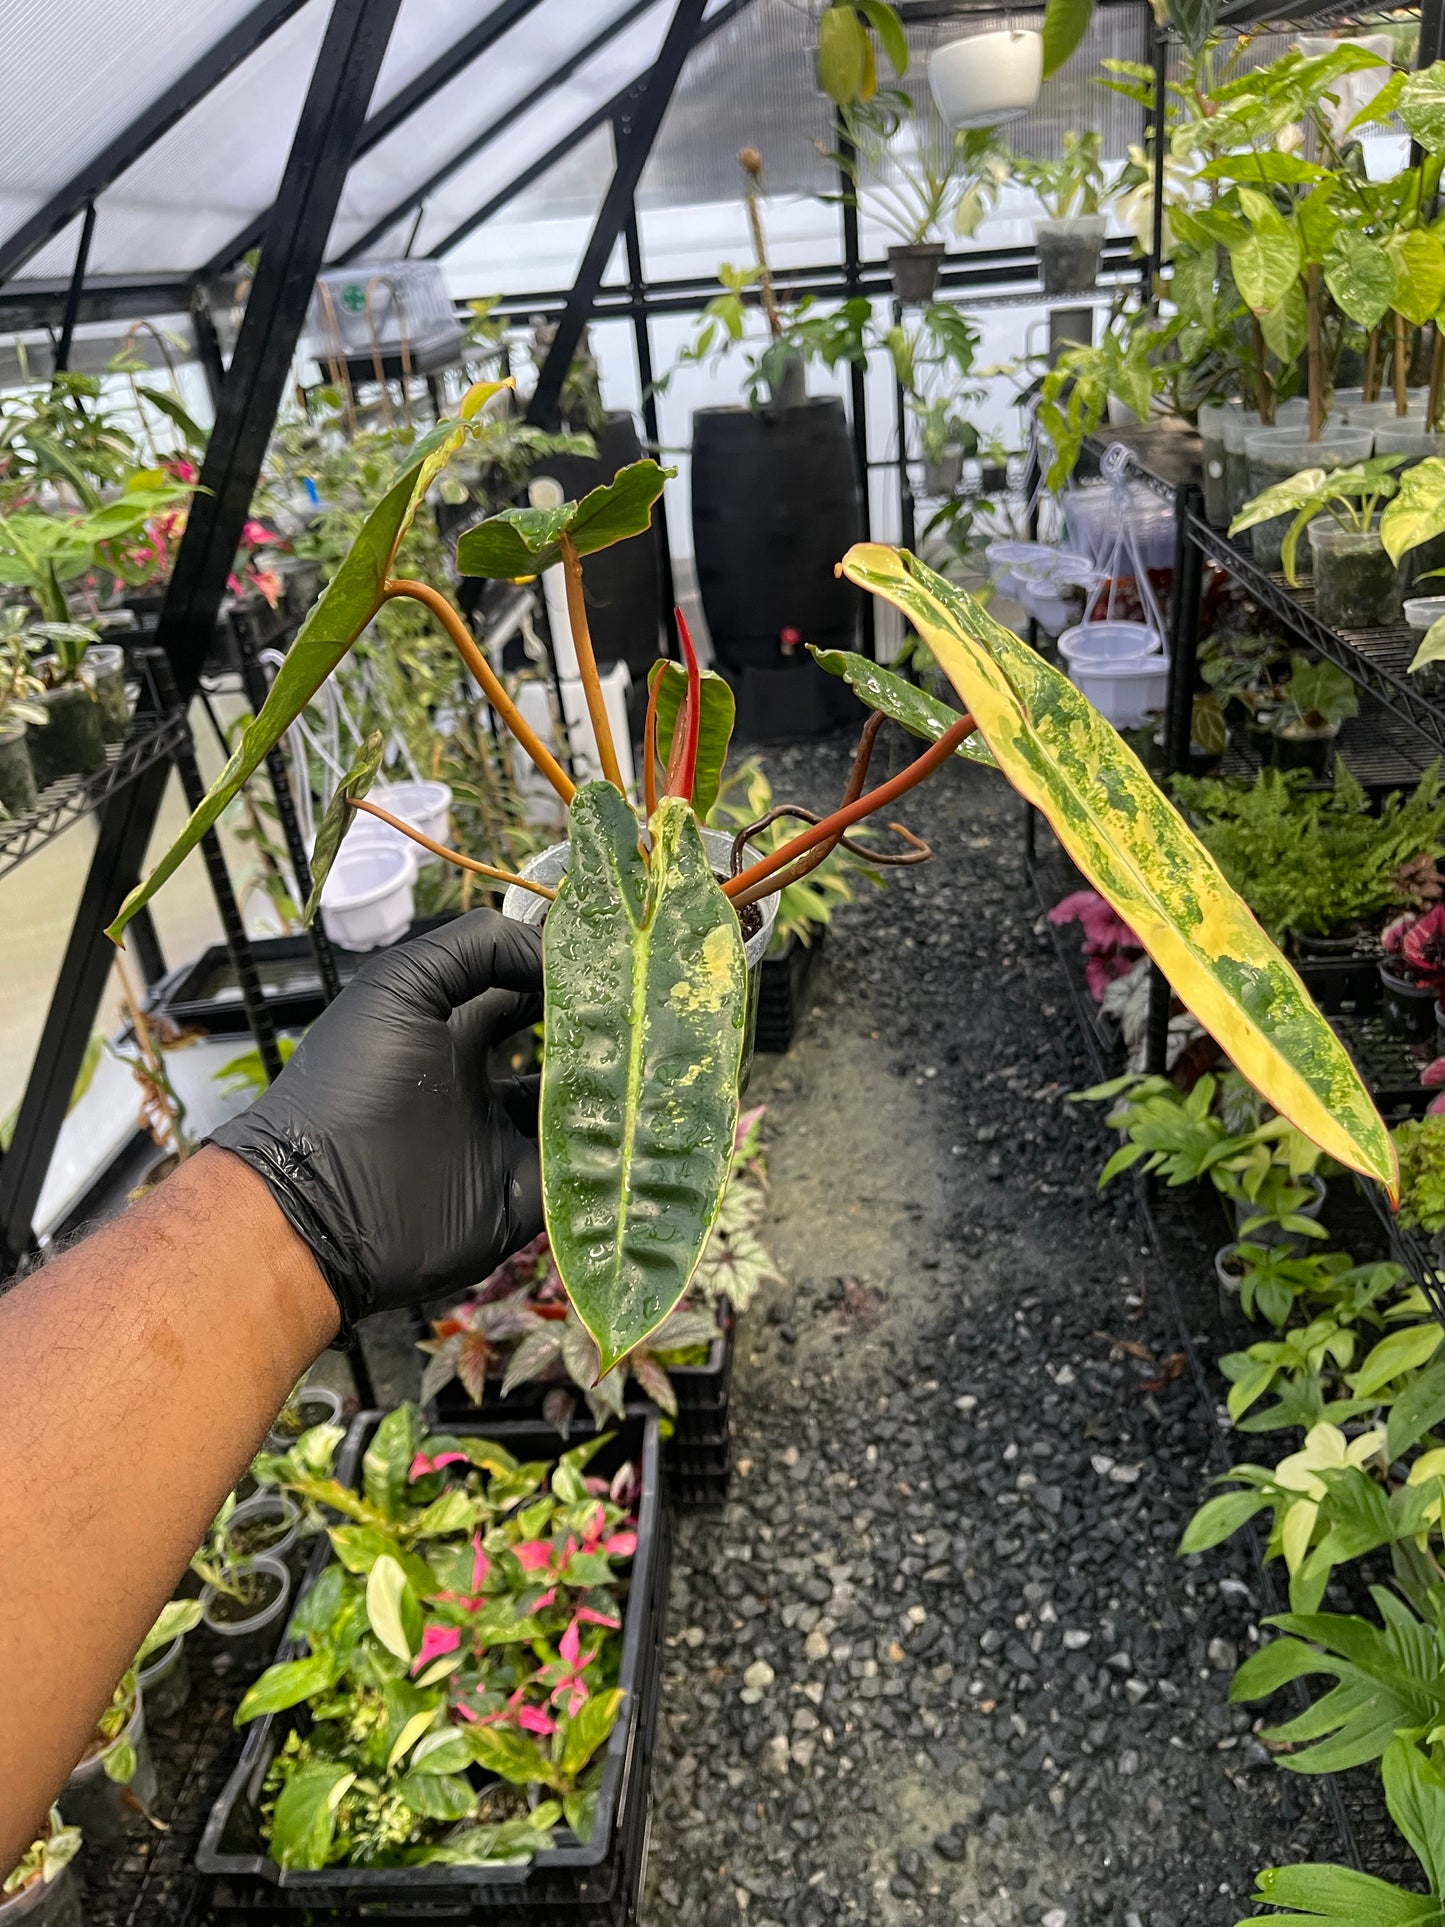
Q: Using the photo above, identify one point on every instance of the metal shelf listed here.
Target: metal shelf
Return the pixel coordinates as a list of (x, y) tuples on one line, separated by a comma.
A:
[(65, 801)]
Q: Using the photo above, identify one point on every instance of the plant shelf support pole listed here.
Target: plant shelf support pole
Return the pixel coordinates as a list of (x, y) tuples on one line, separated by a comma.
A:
[(1154, 262), (642, 123), (642, 336), (1183, 654), (75, 291), (857, 371), (340, 88)]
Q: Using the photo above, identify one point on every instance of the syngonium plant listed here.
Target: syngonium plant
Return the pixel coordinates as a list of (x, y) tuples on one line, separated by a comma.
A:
[(645, 978)]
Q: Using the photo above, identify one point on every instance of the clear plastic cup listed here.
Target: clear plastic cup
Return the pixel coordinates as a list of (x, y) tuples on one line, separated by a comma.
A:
[(1274, 455)]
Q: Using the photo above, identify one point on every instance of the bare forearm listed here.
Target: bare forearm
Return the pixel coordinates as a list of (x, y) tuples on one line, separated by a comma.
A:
[(138, 1375)]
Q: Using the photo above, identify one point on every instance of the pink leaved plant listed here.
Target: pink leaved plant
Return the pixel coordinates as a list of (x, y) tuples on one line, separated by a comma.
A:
[(1110, 947)]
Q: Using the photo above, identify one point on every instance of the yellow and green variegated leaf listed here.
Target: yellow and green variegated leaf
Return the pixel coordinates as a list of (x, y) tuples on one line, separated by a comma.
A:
[(913, 709), (348, 603), (1416, 514), (1140, 855), (646, 987)]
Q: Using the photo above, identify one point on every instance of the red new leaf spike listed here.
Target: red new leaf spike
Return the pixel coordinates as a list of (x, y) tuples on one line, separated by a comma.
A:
[(682, 764)]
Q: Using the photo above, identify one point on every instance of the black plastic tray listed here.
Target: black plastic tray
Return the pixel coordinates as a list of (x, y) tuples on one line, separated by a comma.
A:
[(596, 1885), (780, 991), (696, 1459)]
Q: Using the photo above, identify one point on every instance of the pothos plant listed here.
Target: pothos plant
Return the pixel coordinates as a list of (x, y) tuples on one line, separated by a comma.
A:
[(646, 982), (471, 1620)]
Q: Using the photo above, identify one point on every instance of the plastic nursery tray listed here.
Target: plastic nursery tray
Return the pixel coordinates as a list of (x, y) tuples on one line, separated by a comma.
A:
[(780, 991), (596, 1885), (696, 1459)]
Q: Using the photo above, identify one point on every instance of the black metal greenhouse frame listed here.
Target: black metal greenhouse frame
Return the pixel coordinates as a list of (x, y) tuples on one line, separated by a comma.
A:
[(333, 130)]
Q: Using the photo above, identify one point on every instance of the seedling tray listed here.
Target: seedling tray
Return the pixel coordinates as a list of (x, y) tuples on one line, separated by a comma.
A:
[(596, 1885), (696, 1459)]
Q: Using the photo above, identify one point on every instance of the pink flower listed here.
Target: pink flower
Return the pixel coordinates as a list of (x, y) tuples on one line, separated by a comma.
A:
[(481, 1565), (435, 1641), (255, 535), (421, 1464), (533, 1720)]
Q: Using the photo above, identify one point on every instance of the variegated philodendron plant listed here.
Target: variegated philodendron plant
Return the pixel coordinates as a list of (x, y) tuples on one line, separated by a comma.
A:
[(645, 974)]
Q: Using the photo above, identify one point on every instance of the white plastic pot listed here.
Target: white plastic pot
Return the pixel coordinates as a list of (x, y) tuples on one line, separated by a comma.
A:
[(1012, 563), (1122, 671), (367, 900), (426, 806), (987, 78)]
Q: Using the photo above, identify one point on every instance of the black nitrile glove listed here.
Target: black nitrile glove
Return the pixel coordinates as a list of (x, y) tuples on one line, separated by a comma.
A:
[(404, 1168)]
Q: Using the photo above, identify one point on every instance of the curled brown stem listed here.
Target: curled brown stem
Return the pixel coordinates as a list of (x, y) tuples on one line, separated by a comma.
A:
[(922, 767), (857, 777), (919, 852), (452, 856), (465, 645), (587, 664)]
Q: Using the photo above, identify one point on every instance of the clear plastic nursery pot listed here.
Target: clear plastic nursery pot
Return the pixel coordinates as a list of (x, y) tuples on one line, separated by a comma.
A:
[(1069, 251), (165, 1679), (104, 670), (1383, 413), (268, 1523), (368, 898), (1274, 1234), (1237, 426), (44, 1903), (426, 806), (1275, 454), (1298, 747), (943, 473), (1407, 1008), (1118, 667), (17, 778), (94, 1802), (251, 1631), (986, 78), (312, 1405), (1357, 586), (550, 866), (72, 739), (1214, 460), (1422, 613)]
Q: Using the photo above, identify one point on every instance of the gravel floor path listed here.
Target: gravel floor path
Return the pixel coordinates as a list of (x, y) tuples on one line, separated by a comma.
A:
[(937, 1661)]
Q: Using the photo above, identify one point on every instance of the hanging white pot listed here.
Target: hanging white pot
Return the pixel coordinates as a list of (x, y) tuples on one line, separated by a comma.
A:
[(988, 78)]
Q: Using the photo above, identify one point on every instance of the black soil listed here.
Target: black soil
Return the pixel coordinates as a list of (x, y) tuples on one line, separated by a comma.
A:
[(237, 1612), (936, 1663)]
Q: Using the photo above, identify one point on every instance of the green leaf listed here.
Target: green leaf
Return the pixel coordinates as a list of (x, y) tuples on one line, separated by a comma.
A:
[(288, 1684), (359, 1547), (1418, 258), (438, 1796), (510, 1755), (339, 818), (714, 732), (580, 1809), (1415, 1795), (1360, 276), (350, 600), (166, 403), (1432, 647), (1307, 490), (646, 988), (843, 55), (1267, 166), (890, 31), (1419, 1408), (386, 1464), (392, 1608), (1286, 328), (1267, 262), (1417, 512), (304, 1825), (524, 542), (1140, 855), (1065, 24), (1402, 1351), (120, 1762), (177, 1617), (914, 709), (1273, 1666), (1375, 112), (1218, 1519), (1421, 106), (588, 1730), (1339, 1897)]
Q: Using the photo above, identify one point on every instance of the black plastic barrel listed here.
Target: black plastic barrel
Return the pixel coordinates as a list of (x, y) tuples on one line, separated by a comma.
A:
[(776, 502), (621, 584)]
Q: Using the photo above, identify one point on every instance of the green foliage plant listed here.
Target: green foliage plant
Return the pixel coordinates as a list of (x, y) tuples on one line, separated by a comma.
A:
[(1420, 1142), (1071, 185), (1310, 860), (45, 1860), (1350, 496), (469, 1625)]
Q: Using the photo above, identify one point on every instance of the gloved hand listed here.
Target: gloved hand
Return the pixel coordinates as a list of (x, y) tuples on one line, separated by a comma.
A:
[(390, 1151)]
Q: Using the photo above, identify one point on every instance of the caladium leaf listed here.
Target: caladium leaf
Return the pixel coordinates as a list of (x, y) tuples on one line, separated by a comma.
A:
[(1139, 854), (1360, 276), (1418, 258), (715, 728), (348, 603), (339, 818), (1416, 514), (1420, 103), (1267, 261), (524, 542), (646, 987), (918, 712)]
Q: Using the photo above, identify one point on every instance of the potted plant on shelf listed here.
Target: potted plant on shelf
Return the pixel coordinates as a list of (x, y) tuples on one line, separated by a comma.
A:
[(1070, 234), (41, 1889), (1357, 580), (22, 708), (1315, 701), (115, 1776), (161, 1671), (72, 743), (1412, 972), (243, 1599), (478, 1663), (638, 907)]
